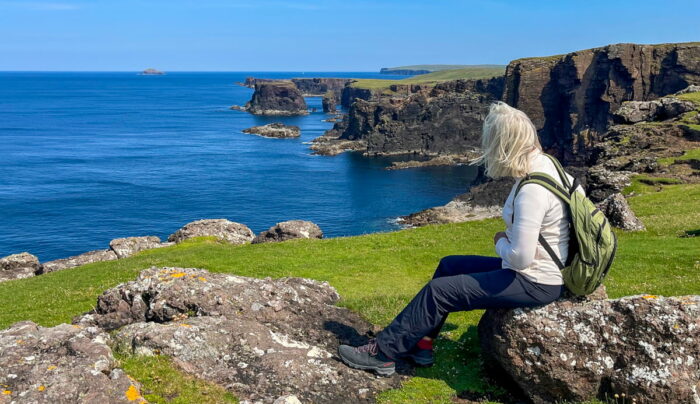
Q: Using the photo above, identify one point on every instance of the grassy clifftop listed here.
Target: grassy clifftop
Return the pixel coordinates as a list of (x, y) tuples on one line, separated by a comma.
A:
[(376, 275), (471, 72)]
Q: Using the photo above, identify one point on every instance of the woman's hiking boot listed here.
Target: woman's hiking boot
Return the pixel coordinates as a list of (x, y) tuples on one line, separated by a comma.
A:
[(367, 357)]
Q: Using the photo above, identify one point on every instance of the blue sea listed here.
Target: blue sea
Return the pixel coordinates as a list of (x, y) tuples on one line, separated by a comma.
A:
[(89, 157)]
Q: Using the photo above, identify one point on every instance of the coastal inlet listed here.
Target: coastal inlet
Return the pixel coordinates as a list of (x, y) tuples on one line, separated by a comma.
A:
[(90, 157)]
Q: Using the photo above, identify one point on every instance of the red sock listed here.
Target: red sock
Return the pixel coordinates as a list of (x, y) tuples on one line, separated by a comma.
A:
[(425, 344)]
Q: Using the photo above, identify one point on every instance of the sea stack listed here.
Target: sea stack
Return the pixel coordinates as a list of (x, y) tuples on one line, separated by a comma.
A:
[(281, 98), (275, 130)]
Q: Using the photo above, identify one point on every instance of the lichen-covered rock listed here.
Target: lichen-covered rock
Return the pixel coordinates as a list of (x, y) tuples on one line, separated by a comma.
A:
[(226, 230), (61, 364), (646, 347), (259, 338), (288, 230), (128, 246), (690, 89), (78, 260), (275, 130), (602, 182), (18, 266), (618, 211)]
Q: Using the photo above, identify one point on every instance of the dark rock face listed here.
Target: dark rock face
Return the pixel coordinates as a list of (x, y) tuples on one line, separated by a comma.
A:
[(232, 232), (277, 98), (570, 98), (62, 364), (78, 260), (645, 347), (321, 86), (620, 214), (18, 266), (275, 130), (289, 230), (350, 94), (329, 102), (259, 338), (128, 246), (445, 120)]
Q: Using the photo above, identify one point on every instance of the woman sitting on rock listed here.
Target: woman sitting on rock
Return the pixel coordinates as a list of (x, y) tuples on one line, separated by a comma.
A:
[(523, 275)]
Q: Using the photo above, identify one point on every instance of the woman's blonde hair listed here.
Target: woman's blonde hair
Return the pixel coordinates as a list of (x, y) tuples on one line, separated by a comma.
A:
[(507, 139)]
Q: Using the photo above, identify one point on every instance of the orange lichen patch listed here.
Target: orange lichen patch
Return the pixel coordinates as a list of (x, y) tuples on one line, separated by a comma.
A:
[(41, 388), (20, 341), (52, 367), (202, 279), (185, 325), (133, 394), (76, 326), (650, 297), (6, 392), (178, 274)]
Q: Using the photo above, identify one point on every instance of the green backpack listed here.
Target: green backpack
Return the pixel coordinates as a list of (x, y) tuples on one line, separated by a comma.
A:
[(592, 243)]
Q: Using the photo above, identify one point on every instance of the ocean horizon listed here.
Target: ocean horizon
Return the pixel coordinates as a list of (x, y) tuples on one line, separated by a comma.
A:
[(92, 156)]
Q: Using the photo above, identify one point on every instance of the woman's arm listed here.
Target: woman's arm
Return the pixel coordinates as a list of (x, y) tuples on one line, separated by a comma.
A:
[(519, 248)]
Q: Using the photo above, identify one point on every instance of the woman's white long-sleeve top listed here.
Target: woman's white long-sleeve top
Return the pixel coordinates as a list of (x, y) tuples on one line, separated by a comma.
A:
[(537, 211)]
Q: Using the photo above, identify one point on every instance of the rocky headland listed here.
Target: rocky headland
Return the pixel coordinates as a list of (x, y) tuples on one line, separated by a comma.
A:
[(275, 130)]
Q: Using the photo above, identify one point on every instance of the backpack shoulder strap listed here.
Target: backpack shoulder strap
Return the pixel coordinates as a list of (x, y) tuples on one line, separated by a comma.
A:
[(560, 170), (546, 181)]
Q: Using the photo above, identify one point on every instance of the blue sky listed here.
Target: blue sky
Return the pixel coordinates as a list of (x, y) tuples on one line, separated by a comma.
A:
[(330, 35)]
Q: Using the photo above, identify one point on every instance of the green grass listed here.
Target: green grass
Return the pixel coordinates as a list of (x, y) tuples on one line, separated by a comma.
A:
[(376, 275), (473, 72), (694, 97), (162, 382), (641, 184), (693, 154), (436, 68)]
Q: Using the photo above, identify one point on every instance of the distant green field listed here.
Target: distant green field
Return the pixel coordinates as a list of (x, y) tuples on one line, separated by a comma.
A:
[(434, 68), (472, 72)]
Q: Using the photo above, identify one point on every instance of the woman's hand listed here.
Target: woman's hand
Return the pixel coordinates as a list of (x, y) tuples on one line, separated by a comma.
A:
[(498, 236)]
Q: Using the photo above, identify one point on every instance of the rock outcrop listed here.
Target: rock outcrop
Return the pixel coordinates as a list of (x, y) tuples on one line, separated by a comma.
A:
[(482, 201), (276, 98), (18, 266), (128, 246), (643, 348), (226, 230), (259, 338), (619, 213), (319, 86), (570, 98), (78, 260), (289, 230), (655, 110), (152, 72), (275, 130), (62, 364)]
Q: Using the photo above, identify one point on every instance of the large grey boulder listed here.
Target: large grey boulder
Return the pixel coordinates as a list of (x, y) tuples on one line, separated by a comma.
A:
[(61, 364), (645, 347), (289, 230), (619, 213), (690, 89), (78, 260), (259, 338), (660, 109), (128, 246), (226, 230), (18, 266)]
